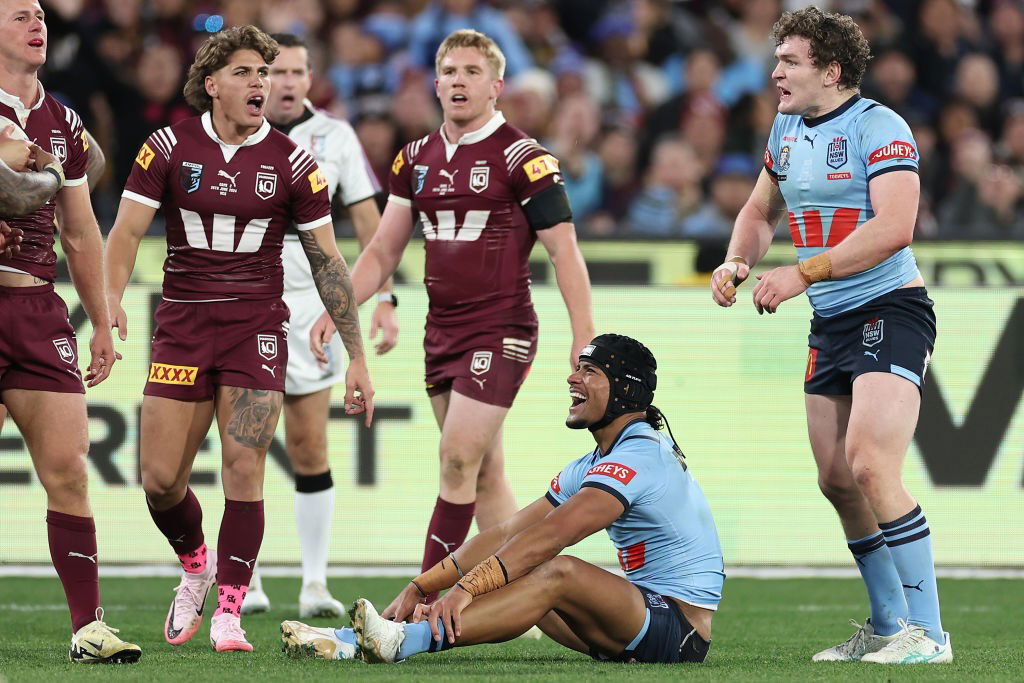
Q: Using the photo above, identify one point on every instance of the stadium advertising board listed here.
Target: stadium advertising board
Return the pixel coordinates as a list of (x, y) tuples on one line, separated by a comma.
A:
[(729, 382)]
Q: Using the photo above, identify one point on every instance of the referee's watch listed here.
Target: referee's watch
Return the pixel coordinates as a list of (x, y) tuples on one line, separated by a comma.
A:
[(388, 297)]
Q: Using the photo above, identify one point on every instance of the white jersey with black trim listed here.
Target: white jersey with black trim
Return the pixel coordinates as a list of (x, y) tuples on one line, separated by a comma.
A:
[(334, 144)]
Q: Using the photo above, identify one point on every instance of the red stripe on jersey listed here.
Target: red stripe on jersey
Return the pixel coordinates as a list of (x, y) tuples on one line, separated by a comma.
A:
[(794, 230), (633, 557), (844, 222), (813, 229)]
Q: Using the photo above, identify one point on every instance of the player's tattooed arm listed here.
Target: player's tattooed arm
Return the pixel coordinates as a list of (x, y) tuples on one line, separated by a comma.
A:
[(23, 193), (330, 273), (254, 414)]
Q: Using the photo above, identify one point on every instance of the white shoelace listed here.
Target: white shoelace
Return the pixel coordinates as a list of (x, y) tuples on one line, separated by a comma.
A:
[(909, 637), (856, 641), (188, 592)]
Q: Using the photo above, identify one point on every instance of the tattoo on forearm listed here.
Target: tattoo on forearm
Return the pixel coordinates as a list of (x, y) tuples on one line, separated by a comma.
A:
[(335, 286), (254, 415), (23, 193)]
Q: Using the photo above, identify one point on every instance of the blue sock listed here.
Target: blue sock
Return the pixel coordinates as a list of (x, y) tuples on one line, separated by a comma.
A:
[(346, 635), (418, 639), (885, 592), (910, 543)]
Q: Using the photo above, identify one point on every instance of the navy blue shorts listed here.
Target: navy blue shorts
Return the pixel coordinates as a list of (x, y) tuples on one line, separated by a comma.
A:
[(894, 333), (670, 639)]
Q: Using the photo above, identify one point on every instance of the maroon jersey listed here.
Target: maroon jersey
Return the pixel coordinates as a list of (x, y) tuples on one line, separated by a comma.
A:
[(59, 131), (468, 197), (226, 207)]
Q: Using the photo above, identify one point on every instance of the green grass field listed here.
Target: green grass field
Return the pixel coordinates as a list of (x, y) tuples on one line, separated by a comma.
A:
[(766, 630)]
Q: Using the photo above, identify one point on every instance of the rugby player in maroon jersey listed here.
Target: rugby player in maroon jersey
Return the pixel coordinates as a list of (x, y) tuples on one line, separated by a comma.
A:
[(230, 185), (484, 192), (39, 375)]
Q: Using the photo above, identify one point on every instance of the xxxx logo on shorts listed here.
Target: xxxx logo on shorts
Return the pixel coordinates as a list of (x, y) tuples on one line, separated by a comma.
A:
[(162, 373)]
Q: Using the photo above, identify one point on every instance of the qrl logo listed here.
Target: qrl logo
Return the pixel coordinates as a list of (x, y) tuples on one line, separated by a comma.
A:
[(481, 362), (66, 350), (60, 148), (267, 346), (614, 470), (266, 185), (479, 178)]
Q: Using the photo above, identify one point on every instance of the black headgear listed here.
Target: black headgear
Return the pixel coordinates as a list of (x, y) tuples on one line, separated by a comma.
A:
[(631, 371)]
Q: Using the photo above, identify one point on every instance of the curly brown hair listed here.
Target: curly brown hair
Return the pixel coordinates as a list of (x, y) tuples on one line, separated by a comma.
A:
[(215, 54), (833, 37)]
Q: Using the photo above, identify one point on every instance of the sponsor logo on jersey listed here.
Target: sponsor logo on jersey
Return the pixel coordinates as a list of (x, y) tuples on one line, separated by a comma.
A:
[(60, 148), (481, 362), (419, 172), (768, 160), (621, 473), (783, 164), (812, 364), (894, 150), (554, 484), (839, 176), (540, 167), (479, 178), (145, 156), (65, 349), (266, 184), (789, 138), (161, 373), (317, 181), (873, 332), (398, 163), (85, 141), (190, 175), (836, 154), (267, 345), (318, 144), (634, 557)]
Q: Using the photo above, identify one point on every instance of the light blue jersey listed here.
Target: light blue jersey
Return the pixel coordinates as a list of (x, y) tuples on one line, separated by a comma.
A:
[(666, 537), (823, 167)]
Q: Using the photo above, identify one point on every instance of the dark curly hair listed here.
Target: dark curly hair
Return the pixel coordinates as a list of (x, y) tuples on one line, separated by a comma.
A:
[(215, 54), (833, 37)]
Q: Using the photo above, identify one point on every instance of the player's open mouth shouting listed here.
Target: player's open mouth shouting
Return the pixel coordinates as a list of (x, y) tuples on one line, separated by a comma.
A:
[(254, 104)]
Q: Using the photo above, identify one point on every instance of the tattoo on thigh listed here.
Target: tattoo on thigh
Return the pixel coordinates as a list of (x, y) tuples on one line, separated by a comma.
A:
[(253, 415)]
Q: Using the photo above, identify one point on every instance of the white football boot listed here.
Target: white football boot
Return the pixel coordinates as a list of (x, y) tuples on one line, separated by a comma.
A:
[(378, 639), (862, 642), (303, 641), (912, 646)]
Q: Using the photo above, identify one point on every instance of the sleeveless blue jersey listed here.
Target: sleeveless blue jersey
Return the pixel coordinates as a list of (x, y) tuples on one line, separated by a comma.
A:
[(666, 536), (823, 167)]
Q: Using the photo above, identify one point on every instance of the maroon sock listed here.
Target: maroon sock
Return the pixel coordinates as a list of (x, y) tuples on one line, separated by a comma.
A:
[(74, 555), (181, 525), (449, 526), (241, 534)]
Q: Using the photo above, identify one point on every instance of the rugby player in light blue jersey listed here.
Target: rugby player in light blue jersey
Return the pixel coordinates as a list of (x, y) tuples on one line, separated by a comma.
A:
[(635, 485), (845, 167)]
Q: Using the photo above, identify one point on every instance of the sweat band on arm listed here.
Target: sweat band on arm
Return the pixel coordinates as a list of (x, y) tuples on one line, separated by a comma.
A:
[(816, 268), (442, 575)]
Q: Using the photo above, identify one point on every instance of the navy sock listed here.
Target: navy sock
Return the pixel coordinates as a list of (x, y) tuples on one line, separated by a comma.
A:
[(885, 592), (909, 540)]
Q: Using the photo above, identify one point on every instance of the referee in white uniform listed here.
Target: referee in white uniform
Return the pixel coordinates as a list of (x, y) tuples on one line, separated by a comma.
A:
[(307, 382)]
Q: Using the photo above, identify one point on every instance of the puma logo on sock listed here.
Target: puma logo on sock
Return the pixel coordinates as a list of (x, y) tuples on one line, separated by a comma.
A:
[(247, 563), (91, 558), (915, 588), (447, 546)]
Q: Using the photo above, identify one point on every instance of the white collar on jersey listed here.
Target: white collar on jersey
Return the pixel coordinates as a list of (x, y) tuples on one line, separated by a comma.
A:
[(476, 136), (15, 103), (229, 150)]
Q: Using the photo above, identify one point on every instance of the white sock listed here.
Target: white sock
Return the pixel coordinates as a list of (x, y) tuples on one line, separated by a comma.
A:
[(313, 515)]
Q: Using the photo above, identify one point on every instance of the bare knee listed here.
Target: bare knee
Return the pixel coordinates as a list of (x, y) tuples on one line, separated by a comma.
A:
[(489, 480), (458, 466), (307, 452), (65, 477), (840, 489), (163, 490), (243, 468)]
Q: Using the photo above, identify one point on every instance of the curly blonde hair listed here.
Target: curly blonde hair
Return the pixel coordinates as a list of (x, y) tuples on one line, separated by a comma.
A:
[(216, 52), (833, 37), (470, 38)]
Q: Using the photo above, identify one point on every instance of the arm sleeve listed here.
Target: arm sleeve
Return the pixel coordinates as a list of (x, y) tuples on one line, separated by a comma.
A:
[(771, 150), (626, 473), (311, 206), (400, 179), (76, 160), (886, 142), (147, 180), (357, 181)]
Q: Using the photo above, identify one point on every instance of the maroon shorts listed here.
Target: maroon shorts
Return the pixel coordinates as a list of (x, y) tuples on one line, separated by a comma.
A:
[(486, 361), (200, 346), (38, 350)]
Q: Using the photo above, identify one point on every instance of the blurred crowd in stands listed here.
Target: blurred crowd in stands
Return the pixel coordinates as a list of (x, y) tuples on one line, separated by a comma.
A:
[(658, 109)]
